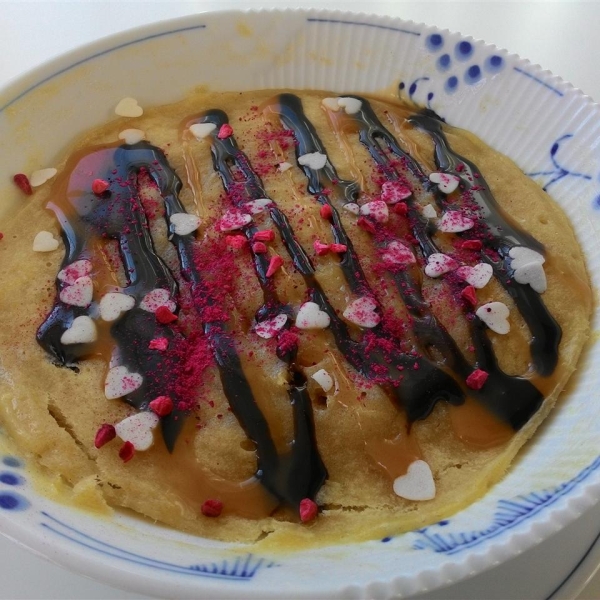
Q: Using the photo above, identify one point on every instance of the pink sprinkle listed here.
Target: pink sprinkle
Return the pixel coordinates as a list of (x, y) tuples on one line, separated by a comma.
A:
[(105, 434), (326, 211), (308, 510), (395, 191), (225, 131), (477, 379), (236, 241), (470, 295), (259, 248), (321, 248), (159, 344), (99, 186), (401, 209), (276, 262), (211, 508), (338, 248), (266, 235), (162, 406), (366, 225)]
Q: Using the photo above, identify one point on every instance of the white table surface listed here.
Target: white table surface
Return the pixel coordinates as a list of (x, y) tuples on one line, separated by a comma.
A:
[(561, 36)]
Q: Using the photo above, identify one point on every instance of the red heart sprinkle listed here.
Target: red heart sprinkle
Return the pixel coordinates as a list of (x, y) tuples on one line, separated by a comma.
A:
[(164, 315), (126, 452), (105, 434), (23, 184), (308, 510), (212, 508), (162, 406), (326, 211)]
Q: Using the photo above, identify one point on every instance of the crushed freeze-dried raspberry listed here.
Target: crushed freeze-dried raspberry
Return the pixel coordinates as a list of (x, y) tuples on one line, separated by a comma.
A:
[(470, 295), (326, 211), (366, 225), (274, 264), (22, 182), (236, 241), (321, 248), (105, 434), (401, 209), (266, 235), (471, 245), (308, 510), (99, 186), (338, 248), (162, 406), (164, 315), (477, 379), (212, 508), (126, 452), (159, 344), (225, 131), (259, 248)]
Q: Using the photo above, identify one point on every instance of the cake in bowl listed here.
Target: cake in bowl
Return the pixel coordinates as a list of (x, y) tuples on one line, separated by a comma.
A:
[(286, 318)]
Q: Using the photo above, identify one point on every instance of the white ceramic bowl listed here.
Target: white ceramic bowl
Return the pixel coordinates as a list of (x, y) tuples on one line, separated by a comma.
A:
[(550, 129)]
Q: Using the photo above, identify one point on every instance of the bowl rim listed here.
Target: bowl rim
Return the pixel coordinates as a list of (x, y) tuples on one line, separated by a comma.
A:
[(499, 550)]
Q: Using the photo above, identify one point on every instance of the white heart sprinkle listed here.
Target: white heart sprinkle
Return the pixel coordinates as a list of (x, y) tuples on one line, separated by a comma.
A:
[(138, 429), (350, 105), (446, 183), (429, 211), (495, 316), (132, 136), (313, 160), (234, 219), (439, 264), (393, 192), (397, 253), (454, 221), (77, 269), (324, 379), (477, 276), (120, 382), (522, 256), (79, 293), (269, 328), (284, 166), (40, 177), (184, 223), (202, 130), (254, 207), (129, 107), (82, 331), (417, 484), (113, 304), (377, 209), (352, 207), (331, 103), (44, 242), (153, 300), (362, 312), (534, 275), (310, 316)]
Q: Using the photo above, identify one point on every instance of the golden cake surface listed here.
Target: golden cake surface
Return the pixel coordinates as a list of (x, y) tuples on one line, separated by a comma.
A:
[(287, 318)]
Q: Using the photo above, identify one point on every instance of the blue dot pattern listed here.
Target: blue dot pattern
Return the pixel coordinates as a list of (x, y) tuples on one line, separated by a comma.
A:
[(493, 64), (473, 74), (463, 50), (386, 539), (12, 461), (444, 62), (10, 500), (435, 42), (11, 478), (451, 84), (13, 501)]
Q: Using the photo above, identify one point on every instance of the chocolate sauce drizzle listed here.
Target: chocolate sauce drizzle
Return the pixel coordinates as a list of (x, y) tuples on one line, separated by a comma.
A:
[(512, 399)]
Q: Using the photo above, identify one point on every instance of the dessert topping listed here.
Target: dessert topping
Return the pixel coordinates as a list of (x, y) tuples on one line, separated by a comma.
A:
[(235, 219), (225, 131), (321, 248), (324, 379), (184, 223), (113, 304), (313, 160), (310, 316), (470, 295), (266, 235), (132, 136), (164, 315), (495, 316), (236, 241), (255, 207), (350, 105), (158, 297), (477, 379), (274, 265), (22, 182), (284, 166), (393, 192), (105, 434), (477, 276), (129, 107), (439, 264), (352, 207), (202, 130), (271, 327), (211, 508), (138, 429), (259, 248), (78, 268), (99, 186), (325, 211), (40, 177), (417, 484), (527, 265), (79, 293), (453, 221), (120, 382), (338, 248), (308, 510), (377, 210), (398, 253), (162, 406), (82, 331), (446, 182), (429, 211), (44, 242), (362, 312), (160, 344), (126, 452)]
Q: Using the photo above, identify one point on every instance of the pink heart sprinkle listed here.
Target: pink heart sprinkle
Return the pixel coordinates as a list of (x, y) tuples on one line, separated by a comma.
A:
[(393, 192)]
